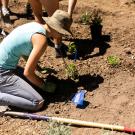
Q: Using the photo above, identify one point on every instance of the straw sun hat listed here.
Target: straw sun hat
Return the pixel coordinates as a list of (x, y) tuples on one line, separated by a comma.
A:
[(60, 21)]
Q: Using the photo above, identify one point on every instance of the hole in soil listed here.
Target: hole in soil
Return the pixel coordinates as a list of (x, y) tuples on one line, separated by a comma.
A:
[(66, 88)]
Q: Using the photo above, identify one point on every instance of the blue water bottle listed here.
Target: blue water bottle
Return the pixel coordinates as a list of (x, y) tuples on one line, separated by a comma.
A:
[(78, 99)]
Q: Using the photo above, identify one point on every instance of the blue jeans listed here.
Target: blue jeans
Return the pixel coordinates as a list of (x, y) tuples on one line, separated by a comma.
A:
[(15, 91)]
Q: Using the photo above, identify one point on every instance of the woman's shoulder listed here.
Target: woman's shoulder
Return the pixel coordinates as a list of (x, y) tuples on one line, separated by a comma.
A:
[(33, 27), (31, 24)]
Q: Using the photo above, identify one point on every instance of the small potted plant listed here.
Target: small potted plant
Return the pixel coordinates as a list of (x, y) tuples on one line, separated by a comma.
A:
[(71, 71), (96, 25)]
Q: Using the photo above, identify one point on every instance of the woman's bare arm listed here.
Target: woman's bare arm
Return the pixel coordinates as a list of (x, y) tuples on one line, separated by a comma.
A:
[(39, 45)]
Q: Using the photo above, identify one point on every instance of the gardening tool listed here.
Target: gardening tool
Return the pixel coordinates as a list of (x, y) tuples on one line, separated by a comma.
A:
[(70, 121), (75, 55)]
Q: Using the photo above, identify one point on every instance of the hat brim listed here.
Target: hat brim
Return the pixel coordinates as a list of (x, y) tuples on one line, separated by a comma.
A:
[(53, 23)]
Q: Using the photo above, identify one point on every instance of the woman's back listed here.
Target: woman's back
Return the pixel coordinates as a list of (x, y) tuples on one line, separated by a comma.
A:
[(18, 43)]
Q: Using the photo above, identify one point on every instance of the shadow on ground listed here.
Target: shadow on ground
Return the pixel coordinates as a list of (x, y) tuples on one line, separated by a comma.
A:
[(85, 47), (66, 88), (27, 14)]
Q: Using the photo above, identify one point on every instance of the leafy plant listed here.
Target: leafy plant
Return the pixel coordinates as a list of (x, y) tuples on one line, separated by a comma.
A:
[(72, 48), (71, 71), (113, 60), (56, 128), (85, 18), (95, 18)]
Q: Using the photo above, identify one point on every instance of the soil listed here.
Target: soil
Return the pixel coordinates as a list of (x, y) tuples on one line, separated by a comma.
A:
[(110, 97)]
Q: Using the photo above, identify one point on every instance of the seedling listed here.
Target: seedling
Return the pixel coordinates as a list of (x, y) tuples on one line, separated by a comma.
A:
[(113, 60), (71, 71), (72, 47), (85, 18)]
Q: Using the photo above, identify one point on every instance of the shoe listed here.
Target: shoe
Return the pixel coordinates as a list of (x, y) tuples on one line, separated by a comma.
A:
[(5, 11), (6, 17)]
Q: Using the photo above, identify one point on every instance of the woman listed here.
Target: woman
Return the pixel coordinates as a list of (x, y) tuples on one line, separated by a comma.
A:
[(29, 40)]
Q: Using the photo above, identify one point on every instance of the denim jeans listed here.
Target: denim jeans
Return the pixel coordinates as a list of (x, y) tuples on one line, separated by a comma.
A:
[(15, 91)]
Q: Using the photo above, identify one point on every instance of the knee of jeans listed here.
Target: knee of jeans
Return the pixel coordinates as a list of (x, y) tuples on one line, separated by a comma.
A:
[(38, 105)]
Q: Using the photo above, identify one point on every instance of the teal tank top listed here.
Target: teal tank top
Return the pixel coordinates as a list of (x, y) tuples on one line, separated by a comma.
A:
[(17, 44)]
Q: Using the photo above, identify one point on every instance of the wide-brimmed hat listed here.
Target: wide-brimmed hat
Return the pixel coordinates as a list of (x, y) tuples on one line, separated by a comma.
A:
[(60, 21)]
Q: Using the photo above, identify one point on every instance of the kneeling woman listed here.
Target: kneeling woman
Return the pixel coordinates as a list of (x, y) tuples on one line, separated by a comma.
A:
[(27, 40)]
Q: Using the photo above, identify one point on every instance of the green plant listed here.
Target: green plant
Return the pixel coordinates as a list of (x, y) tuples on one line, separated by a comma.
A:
[(71, 71), (95, 18), (85, 18), (56, 128), (72, 47), (113, 60)]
